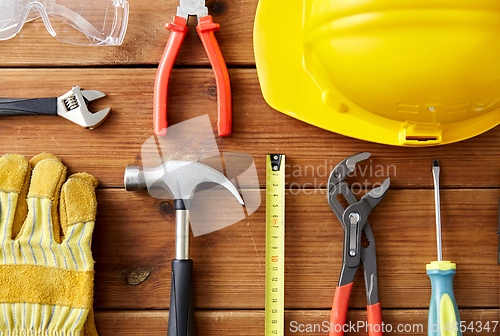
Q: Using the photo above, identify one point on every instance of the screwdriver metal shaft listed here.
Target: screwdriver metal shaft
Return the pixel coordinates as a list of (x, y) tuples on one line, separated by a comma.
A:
[(435, 174), (444, 319)]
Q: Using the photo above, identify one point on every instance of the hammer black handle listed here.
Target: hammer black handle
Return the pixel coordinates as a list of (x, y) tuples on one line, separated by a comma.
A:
[(181, 311), (11, 107)]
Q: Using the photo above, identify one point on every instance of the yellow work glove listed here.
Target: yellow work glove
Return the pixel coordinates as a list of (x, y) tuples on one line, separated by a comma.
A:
[(46, 266)]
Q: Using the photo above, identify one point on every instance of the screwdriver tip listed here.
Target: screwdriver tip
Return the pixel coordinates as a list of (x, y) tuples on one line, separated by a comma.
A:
[(435, 163)]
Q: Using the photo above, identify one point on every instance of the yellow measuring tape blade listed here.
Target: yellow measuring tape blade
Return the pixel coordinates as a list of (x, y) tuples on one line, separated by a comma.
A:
[(275, 245)]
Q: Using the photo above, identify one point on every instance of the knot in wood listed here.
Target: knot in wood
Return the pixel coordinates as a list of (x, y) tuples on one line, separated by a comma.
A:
[(212, 91), (138, 275), (166, 208), (217, 7)]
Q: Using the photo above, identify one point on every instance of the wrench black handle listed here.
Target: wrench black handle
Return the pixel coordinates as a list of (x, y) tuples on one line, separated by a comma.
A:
[(181, 311), (12, 107)]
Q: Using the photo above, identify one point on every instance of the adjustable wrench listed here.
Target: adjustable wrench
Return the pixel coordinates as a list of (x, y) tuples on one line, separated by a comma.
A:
[(72, 106)]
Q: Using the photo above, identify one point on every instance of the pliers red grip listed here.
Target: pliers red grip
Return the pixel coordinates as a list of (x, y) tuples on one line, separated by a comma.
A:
[(206, 28), (354, 220), (339, 313)]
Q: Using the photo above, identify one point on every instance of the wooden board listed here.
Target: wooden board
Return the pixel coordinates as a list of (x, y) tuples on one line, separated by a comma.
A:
[(136, 232), (313, 322), (145, 40), (257, 130), (134, 239)]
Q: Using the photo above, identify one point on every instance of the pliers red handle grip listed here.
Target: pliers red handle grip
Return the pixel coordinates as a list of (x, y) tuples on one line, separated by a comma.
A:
[(339, 313), (206, 28)]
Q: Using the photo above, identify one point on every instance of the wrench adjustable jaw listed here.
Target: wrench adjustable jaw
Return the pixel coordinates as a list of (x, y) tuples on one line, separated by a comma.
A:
[(73, 106)]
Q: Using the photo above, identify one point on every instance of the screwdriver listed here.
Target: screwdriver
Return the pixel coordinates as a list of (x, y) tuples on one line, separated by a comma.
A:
[(444, 319)]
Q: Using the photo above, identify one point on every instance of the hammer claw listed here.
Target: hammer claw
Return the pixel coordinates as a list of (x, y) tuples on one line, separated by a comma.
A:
[(229, 186)]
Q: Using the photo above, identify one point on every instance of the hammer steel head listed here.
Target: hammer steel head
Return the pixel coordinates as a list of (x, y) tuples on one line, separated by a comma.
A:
[(73, 106), (181, 178)]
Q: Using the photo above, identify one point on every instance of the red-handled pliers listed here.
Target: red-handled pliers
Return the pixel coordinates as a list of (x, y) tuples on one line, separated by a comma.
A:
[(354, 220), (206, 28)]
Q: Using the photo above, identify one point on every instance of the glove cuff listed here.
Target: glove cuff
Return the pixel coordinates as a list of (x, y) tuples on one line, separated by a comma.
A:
[(26, 319)]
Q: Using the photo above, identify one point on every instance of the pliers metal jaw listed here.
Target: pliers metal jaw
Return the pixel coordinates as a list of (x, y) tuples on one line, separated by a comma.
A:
[(192, 7), (206, 28), (354, 220)]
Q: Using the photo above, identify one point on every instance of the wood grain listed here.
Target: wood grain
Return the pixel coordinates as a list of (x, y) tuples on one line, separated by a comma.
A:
[(251, 322), (257, 130), (134, 238), (135, 231), (145, 40)]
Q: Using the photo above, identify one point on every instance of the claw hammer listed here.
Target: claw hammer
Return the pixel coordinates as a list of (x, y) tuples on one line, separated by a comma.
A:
[(181, 178)]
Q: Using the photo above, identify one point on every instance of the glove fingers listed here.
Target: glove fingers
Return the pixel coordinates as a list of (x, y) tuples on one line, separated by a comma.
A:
[(22, 205), (42, 156), (48, 175), (46, 180), (13, 168), (78, 203), (14, 182), (56, 227), (35, 257)]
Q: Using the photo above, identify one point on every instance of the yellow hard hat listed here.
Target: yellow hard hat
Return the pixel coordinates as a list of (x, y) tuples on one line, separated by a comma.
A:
[(397, 72)]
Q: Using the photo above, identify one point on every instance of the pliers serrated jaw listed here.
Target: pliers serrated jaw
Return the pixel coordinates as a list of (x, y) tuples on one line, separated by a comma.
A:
[(337, 185), (346, 167)]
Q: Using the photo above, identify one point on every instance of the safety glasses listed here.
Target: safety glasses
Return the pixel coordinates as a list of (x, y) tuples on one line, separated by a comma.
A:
[(83, 22)]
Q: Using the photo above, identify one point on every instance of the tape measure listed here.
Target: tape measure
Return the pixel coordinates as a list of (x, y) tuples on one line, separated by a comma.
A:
[(275, 245)]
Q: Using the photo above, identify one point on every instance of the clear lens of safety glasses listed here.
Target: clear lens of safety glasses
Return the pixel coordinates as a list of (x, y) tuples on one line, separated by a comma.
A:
[(83, 22)]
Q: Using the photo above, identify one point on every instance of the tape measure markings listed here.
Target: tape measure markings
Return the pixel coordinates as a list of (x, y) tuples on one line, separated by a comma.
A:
[(275, 245)]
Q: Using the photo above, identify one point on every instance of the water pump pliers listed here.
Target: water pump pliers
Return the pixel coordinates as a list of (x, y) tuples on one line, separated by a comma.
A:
[(354, 220)]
